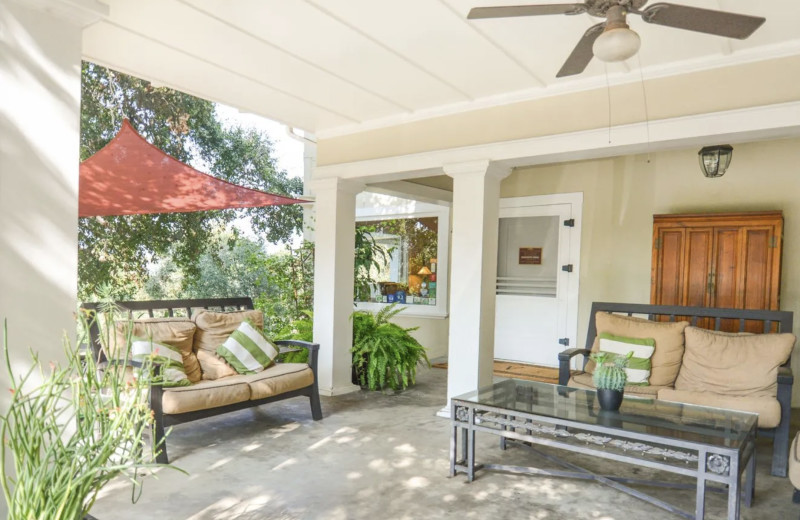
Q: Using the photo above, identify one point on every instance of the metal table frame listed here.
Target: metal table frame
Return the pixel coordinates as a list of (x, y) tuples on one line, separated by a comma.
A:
[(715, 464)]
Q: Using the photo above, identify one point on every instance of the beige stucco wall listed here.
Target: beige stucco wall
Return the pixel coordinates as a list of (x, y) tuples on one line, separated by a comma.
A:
[(621, 195), (727, 88)]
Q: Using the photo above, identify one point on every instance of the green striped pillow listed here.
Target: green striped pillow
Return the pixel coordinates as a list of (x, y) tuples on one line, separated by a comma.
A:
[(168, 356), (638, 369), (248, 350)]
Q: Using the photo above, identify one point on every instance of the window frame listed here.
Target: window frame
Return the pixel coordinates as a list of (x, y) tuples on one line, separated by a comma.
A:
[(420, 210)]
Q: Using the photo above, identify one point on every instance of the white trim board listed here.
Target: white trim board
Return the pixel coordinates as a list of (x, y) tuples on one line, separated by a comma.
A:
[(741, 125)]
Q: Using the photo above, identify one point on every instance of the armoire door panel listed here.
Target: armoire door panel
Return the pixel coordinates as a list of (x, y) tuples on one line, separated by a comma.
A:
[(755, 286), (669, 277), (726, 262), (699, 244)]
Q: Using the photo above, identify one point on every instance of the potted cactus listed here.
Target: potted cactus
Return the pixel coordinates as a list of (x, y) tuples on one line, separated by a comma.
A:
[(610, 378)]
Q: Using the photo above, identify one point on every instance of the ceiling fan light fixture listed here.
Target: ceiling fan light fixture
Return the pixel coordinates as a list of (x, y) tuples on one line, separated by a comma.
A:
[(616, 44)]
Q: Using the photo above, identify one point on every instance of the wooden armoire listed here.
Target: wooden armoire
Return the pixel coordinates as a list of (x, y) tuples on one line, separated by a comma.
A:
[(728, 260)]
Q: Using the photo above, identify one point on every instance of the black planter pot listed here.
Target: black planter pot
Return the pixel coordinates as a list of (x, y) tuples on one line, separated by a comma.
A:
[(609, 399)]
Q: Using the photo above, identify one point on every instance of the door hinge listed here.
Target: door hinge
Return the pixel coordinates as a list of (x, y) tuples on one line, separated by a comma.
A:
[(567, 268), (569, 222), (563, 341), (773, 243), (657, 245)]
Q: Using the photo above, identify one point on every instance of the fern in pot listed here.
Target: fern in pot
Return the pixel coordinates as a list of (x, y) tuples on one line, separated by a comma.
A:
[(610, 378), (385, 355)]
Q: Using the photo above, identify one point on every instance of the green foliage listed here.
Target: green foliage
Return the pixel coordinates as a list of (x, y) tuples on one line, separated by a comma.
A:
[(233, 266), (369, 255), (68, 431), (290, 276), (300, 329), (610, 371), (117, 250), (385, 354)]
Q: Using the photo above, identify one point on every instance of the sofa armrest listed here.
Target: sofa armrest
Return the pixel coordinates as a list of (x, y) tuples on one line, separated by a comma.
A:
[(313, 351), (785, 376), (564, 358)]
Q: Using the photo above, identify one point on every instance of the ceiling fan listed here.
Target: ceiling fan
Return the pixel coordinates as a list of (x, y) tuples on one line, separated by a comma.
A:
[(613, 40)]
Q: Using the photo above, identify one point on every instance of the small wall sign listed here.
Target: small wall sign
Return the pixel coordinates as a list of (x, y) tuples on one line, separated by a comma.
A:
[(530, 255)]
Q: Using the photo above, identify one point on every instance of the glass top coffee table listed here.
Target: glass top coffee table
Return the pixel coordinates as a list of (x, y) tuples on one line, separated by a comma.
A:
[(711, 445)]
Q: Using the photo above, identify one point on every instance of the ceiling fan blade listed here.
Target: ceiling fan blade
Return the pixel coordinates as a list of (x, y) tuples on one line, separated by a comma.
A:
[(524, 10), (582, 53), (719, 23)]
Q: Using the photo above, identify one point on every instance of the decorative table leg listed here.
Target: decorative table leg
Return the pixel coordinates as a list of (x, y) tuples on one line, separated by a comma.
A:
[(471, 446), (700, 500), (453, 449), (733, 491), (502, 437), (750, 480)]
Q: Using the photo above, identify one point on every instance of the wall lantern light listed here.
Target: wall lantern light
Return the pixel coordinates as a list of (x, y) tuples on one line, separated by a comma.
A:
[(714, 160)]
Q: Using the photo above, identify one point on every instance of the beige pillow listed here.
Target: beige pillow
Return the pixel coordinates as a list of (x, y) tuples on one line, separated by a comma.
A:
[(214, 367), (176, 332), (213, 328), (733, 364), (666, 360)]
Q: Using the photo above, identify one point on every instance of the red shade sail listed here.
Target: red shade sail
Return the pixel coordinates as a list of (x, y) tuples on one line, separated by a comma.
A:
[(130, 176)]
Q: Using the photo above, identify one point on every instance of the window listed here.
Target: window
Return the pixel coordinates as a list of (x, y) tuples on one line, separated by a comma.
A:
[(407, 252)]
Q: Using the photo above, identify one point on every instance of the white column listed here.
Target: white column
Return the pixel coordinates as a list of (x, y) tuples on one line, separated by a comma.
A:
[(40, 75), (476, 202), (40, 78), (334, 256)]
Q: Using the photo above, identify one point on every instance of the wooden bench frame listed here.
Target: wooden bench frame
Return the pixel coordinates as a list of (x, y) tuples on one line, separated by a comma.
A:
[(168, 308), (783, 320)]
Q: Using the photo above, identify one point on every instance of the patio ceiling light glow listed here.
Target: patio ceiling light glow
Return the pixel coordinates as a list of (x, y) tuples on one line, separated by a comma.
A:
[(714, 160)]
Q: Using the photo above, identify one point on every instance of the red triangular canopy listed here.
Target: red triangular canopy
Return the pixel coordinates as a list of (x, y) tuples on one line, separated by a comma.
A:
[(130, 176)]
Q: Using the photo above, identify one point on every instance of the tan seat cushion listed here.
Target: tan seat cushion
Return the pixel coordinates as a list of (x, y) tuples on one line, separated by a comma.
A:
[(666, 360), (584, 380), (176, 332), (794, 463), (767, 408), (213, 328), (205, 395), (279, 379), (733, 364)]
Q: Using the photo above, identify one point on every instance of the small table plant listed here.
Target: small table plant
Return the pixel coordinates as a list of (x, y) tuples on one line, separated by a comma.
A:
[(609, 378)]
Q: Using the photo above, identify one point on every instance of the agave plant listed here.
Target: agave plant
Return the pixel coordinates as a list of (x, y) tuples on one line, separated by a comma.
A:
[(385, 355)]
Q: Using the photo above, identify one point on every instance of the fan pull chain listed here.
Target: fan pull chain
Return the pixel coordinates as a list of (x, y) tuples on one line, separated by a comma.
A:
[(646, 111), (608, 93)]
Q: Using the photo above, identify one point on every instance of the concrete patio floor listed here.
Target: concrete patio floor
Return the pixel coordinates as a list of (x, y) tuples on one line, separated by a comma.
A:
[(383, 456)]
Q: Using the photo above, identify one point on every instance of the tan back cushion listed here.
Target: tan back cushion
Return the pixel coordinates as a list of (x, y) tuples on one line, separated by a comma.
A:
[(666, 360), (733, 364), (213, 328), (177, 332)]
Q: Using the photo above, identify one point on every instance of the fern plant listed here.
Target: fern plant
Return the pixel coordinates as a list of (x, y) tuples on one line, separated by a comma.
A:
[(385, 355)]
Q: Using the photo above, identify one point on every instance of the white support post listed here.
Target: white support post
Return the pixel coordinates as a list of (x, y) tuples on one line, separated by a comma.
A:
[(334, 256), (40, 89), (476, 201)]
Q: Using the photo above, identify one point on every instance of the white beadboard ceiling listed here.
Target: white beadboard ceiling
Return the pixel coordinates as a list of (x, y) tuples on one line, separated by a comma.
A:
[(333, 67)]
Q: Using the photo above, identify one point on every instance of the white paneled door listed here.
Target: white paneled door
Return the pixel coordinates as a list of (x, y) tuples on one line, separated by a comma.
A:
[(537, 278)]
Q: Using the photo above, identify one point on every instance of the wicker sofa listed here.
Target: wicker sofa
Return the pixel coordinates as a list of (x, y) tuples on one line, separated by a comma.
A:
[(198, 326), (689, 368)]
